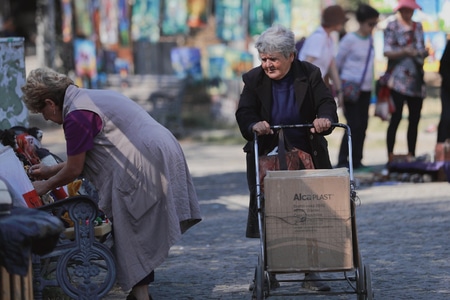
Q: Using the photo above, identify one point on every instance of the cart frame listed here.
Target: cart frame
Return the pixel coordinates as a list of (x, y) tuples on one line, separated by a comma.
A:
[(361, 282)]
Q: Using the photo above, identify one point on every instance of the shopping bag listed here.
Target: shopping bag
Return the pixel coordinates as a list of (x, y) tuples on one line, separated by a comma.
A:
[(350, 90), (283, 159), (384, 106)]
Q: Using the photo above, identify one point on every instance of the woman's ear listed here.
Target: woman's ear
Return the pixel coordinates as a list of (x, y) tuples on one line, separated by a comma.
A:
[(50, 102)]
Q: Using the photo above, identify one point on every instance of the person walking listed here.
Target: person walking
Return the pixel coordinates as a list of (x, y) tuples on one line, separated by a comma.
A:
[(355, 64), (137, 165), (284, 90), (405, 49)]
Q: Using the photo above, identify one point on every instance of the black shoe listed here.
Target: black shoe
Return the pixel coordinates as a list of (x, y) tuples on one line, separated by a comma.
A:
[(311, 283)]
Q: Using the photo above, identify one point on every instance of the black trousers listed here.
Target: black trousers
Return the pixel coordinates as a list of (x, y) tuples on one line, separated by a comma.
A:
[(357, 116), (414, 108), (444, 123)]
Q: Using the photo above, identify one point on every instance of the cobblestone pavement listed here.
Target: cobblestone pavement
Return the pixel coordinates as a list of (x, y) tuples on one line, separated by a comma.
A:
[(402, 235)]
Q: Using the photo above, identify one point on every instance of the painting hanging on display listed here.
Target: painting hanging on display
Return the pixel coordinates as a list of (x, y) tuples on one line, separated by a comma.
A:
[(282, 12), (83, 18), (85, 62), (67, 18), (186, 62), (259, 16), (197, 13), (145, 20), (124, 23), (174, 17), (108, 26), (229, 20)]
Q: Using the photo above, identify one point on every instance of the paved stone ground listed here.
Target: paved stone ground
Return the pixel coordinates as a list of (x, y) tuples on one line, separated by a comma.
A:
[(402, 234)]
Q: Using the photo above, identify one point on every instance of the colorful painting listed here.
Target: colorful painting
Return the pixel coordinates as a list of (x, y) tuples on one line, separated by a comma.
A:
[(260, 16), (109, 26), (282, 12), (175, 17), (85, 59), (145, 20), (67, 17), (83, 18), (228, 63), (197, 13), (435, 42), (443, 15), (13, 111), (306, 17), (124, 23), (186, 61), (229, 20)]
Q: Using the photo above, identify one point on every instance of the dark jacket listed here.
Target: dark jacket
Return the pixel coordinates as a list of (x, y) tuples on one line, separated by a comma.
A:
[(444, 67), (312, 95), (255, 104)]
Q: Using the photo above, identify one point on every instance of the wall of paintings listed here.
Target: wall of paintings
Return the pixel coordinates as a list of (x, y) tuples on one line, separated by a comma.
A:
[(112, 36)]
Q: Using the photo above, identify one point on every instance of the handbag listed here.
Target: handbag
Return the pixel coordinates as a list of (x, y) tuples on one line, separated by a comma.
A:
[(286, 158), (351, 89), (384, 106)]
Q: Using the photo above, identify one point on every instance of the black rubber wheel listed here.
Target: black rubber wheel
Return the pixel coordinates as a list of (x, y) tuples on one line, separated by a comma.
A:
[(258, 290), (360, 280), (368, 283)]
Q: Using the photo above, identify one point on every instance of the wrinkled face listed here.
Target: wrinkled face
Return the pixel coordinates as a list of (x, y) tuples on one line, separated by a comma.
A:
[(275, 65)]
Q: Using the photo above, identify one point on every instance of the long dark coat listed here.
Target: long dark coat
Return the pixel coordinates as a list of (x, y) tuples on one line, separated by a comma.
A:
[(315, 101)]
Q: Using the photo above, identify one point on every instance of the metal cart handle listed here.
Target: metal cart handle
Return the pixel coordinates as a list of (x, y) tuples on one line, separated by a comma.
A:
[(344, 126)]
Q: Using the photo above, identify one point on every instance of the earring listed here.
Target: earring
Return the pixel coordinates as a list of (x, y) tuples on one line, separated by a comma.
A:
[(54, 111)]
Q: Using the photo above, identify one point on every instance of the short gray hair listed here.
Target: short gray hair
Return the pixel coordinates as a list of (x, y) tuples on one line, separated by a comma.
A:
[(276, 39)]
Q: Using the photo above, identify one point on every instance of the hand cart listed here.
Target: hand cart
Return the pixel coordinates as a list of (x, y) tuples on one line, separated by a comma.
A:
[(356, 274)]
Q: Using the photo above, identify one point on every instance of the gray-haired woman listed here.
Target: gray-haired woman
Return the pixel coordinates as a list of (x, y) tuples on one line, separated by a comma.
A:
[(137, 165), (284, 90)]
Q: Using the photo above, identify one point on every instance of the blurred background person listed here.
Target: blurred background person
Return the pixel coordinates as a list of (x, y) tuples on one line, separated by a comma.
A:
[(355, 64), (319, 47), (284, 90), (444, 70), (405, 49)]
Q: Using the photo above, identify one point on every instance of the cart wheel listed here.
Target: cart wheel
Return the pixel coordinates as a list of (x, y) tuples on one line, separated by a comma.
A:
[(258, 290), (364, 283), (360, 280), (368, 283)]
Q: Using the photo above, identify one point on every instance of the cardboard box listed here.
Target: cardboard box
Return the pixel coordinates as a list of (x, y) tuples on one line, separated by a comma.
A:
[(308, 220)]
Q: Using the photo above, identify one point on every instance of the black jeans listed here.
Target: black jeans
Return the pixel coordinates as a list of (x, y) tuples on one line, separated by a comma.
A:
[(414, 108), (444, 123), (357, 116)]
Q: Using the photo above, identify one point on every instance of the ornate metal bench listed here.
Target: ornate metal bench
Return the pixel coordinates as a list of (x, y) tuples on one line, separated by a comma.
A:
[(82, 266)]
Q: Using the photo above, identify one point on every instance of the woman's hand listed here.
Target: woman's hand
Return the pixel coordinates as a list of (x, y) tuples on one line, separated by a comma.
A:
[(262, 128), (41, 187), (40, 171), (321, 125)]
